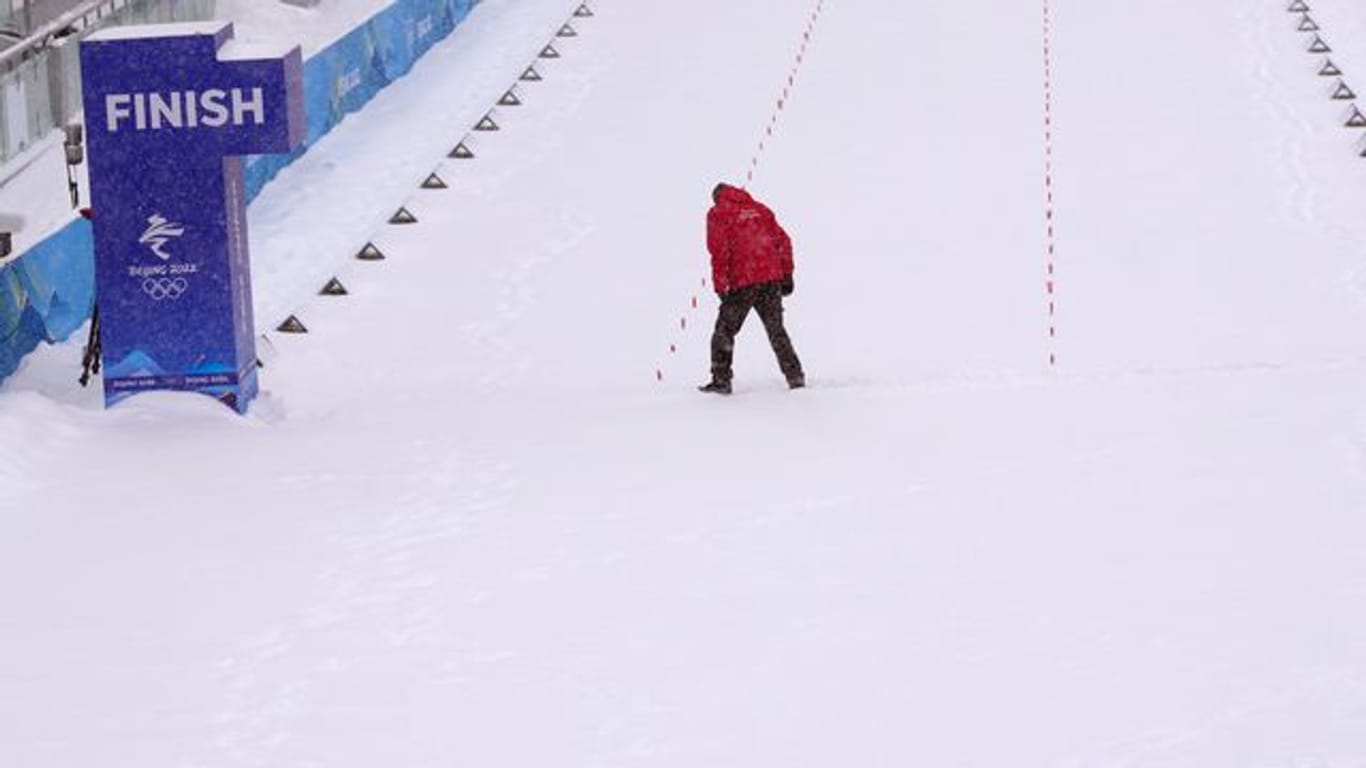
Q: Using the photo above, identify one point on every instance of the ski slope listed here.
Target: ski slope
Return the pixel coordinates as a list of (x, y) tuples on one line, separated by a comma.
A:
[(481, 517)]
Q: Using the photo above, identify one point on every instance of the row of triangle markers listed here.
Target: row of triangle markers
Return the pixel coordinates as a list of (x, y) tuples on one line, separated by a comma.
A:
[(486, 124), (1341, 91)]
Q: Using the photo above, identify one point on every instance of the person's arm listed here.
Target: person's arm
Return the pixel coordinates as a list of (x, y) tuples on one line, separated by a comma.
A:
[(784, 250), (784, 257)]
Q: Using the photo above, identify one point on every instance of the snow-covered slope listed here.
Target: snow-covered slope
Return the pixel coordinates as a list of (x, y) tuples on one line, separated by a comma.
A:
[(466, 524)]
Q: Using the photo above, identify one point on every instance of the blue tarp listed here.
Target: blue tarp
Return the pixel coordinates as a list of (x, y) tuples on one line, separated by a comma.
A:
[(47, 294)]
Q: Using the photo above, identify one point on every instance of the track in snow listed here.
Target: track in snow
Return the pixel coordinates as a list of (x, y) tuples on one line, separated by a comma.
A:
[(462, 526)]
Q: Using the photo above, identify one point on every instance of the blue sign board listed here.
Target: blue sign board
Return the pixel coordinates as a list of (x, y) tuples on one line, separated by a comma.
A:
[(170, 110)]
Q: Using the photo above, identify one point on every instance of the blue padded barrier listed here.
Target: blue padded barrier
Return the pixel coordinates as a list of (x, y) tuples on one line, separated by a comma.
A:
[(47, 294)]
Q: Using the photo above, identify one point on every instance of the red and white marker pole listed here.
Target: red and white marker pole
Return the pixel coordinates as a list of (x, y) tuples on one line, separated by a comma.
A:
[(786, 93), (1050, 211)]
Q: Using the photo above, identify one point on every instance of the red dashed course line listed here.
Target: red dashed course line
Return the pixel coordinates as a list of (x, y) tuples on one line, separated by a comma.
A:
[(769, 130), (1050, 211), (786, 92), (682, 328)]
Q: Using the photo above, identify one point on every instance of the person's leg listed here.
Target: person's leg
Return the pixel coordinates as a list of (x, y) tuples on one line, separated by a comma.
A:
[(729, 319), (769, 305)]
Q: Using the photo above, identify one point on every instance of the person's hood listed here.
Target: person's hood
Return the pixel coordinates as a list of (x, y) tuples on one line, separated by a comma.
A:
[(729, 195)]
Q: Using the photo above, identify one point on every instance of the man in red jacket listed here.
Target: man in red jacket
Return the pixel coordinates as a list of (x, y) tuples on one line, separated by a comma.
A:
[(751, 266)]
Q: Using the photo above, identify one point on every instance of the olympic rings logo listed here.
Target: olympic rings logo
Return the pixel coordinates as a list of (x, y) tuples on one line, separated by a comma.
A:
[(163, 288)]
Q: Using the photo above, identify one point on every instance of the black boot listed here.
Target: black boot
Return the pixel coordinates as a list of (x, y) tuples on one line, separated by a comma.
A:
[(716, 387), (796, 382)]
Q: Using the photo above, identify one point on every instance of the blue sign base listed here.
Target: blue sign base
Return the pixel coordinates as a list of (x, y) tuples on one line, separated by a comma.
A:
[(235, 390)]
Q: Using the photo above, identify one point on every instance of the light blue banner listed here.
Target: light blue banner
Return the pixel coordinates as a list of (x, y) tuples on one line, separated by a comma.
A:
[(47, 294)]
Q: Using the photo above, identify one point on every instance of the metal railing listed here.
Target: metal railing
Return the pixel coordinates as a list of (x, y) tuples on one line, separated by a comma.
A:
[(20, 18)]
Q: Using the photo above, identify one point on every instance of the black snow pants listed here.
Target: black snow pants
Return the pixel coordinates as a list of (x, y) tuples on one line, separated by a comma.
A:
[(767, 300)]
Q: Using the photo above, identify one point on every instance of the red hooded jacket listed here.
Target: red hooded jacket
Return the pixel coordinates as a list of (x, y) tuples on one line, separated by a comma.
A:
[(747, 245)]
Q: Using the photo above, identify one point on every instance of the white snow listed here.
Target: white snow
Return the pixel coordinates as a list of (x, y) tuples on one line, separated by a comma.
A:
[(234, 49), (34, 199), (465, 525), (277, 22), (170, 29)]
